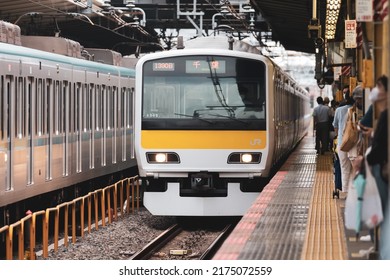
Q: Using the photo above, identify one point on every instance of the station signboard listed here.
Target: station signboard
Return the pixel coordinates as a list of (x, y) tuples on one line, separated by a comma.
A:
[(350, 34), (364, 10)]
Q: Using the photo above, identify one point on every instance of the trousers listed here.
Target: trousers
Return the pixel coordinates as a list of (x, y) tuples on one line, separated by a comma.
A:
[(322, 137), (346, 169)]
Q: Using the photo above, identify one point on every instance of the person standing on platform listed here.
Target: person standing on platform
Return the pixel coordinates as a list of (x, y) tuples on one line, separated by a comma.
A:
[(378, 157), (346, 96), (321, 121), (340, 118)]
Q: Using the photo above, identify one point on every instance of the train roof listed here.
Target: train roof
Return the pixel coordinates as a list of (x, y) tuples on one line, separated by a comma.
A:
[(20, 51), (221, 42)]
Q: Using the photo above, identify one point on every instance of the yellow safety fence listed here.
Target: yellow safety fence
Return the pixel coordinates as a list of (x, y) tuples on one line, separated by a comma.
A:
[(108, 198)]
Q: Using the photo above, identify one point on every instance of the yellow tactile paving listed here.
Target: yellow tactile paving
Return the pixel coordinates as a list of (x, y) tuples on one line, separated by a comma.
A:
[(325, 236)]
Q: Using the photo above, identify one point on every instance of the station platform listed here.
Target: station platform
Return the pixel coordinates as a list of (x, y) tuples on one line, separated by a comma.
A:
[(296, 217)]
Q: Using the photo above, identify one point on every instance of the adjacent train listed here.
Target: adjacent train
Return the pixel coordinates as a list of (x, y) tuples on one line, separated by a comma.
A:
[(211, 121), (63, 119)]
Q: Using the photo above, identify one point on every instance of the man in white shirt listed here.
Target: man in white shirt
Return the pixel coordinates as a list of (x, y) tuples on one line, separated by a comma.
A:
[(321, 115)]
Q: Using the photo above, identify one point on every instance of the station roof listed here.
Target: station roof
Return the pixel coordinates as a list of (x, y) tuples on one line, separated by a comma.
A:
[(288, 20)]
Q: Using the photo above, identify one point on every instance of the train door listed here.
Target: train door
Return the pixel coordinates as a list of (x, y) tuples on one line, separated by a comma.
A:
[(109, 129), (30, 99), (85, 138), (122, 124), (19, 150), (104, 126), (78, 126), (98, 130), (116, 150), (128, 124), (39, 143), (49, 129), (74, 129), (57, 130), (92, 103), (66, 90), (6, 145)]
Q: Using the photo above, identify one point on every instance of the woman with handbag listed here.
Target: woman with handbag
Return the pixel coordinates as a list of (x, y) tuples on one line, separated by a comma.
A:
[(339, 123)]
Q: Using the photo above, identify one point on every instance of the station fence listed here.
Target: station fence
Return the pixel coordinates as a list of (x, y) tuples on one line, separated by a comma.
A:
[(104, 205)]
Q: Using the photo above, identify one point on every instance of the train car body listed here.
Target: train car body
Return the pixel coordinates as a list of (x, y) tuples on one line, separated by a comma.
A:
[(64, 120), (211, 121)]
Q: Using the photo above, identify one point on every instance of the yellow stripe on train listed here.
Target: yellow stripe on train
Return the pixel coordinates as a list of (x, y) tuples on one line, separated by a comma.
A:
[(200, 139)]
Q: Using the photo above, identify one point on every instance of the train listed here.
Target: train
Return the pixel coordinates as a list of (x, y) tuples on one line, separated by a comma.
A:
[(64, 118), (213, 118)]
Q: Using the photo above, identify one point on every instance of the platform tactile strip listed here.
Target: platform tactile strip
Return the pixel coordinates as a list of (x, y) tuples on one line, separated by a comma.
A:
[(295, 217)]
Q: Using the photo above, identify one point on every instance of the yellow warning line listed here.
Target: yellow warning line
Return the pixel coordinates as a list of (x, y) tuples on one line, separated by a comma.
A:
[(325, 236)]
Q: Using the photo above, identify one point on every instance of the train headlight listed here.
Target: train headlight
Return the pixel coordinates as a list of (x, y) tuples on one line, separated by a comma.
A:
[(244, 158), (161, 158), (164, 157)]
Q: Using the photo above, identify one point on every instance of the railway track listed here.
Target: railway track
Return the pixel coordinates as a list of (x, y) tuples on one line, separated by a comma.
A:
[(181, 243)]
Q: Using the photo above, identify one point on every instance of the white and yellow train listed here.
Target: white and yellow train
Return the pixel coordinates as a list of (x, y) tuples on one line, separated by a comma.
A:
[(211, 121)]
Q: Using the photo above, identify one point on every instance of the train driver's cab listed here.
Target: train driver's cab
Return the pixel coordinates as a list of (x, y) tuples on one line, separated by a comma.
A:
[(251, 105)]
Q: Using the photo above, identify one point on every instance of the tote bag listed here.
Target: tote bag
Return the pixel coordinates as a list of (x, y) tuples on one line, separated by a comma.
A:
[(350, 134), (370, 210), (372, 213)]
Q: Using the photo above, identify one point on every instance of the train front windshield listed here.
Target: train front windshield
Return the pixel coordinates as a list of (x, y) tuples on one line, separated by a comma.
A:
[(204, 92)]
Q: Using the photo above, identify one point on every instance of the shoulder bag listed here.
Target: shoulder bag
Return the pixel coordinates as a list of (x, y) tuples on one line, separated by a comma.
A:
[(350, 134)]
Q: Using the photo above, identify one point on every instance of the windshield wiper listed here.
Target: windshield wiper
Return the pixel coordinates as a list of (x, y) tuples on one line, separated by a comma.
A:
[(218, 89), (196, 117), (230, 117)]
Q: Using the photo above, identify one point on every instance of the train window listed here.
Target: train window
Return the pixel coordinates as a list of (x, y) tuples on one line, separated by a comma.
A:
[(47, 106), (104, 125), (104, 106), (129, 111), (19, 106), (109, 107), (77, 107), (29, 102), (115, 111), (223, 90), (56, 107), (122, 109), (110, 93), (7, 107), (72, 107), (98, 106), (64, 91), (90, 106), (39, 107), (85, 107)]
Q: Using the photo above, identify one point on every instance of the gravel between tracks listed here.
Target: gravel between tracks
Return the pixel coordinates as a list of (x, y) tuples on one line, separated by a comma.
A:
[(116, 241)]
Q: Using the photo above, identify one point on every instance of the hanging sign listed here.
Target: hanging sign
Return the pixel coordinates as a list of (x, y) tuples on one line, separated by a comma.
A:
[(350, 34), (336, 72), (364, 10)]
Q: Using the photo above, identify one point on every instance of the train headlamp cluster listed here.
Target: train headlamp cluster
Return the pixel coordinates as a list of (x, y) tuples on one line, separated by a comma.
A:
[(162, 157), (244, 158)]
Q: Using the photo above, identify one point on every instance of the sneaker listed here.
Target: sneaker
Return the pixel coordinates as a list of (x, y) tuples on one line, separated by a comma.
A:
[(365, 238)]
